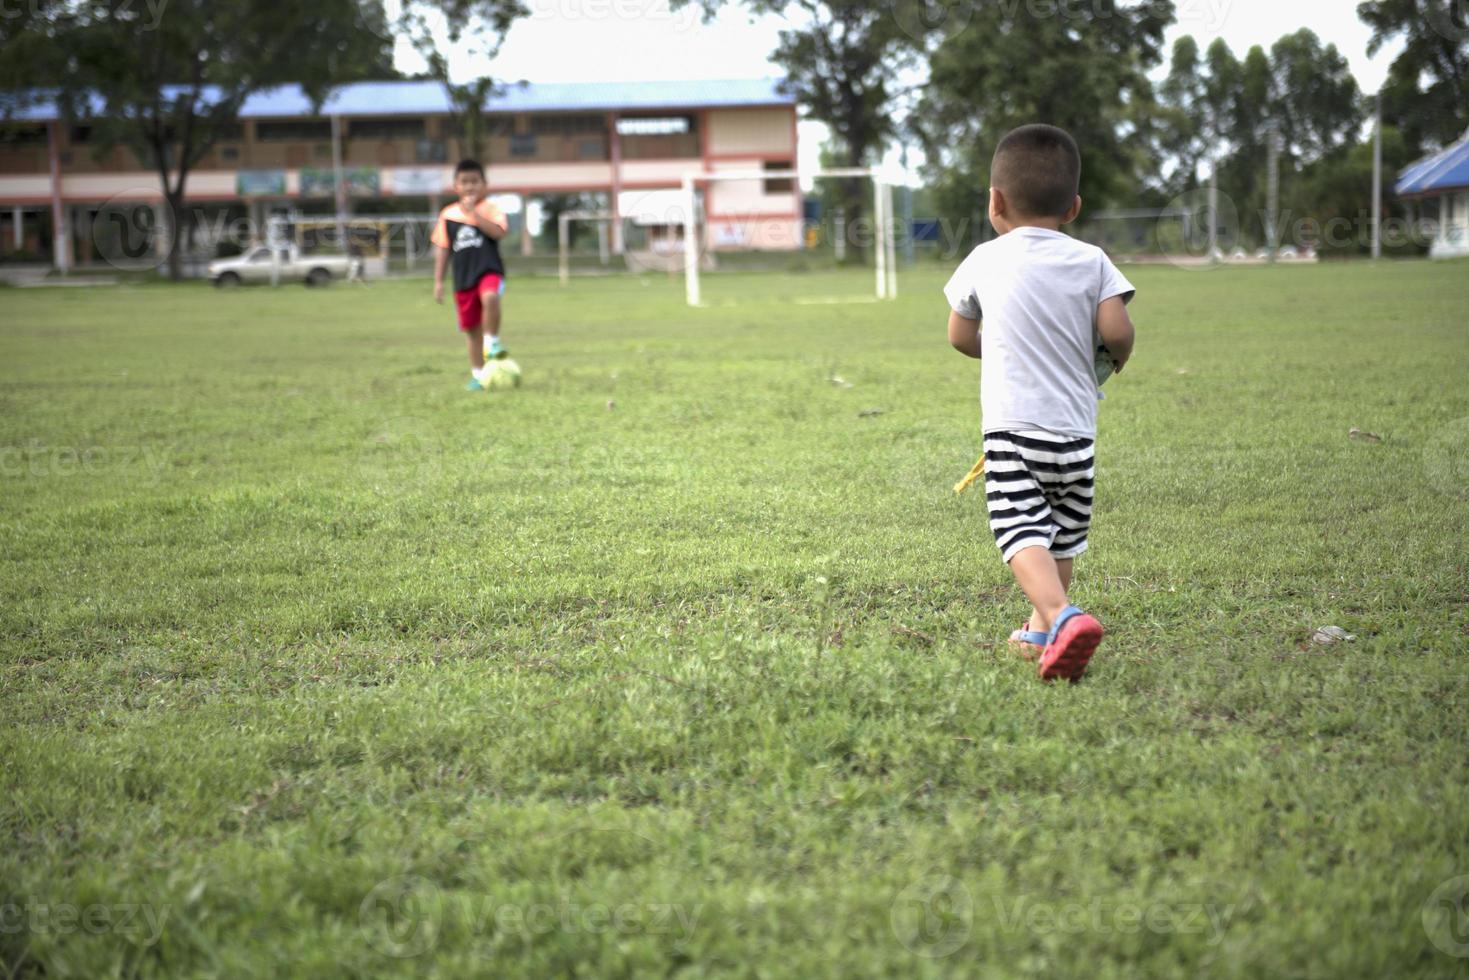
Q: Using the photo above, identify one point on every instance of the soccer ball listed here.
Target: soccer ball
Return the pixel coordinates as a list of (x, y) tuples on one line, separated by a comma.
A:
[(1103, 365), (501, 373)]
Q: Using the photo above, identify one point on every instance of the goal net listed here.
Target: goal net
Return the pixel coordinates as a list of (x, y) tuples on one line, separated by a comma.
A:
[(739, 218), (718, 213)]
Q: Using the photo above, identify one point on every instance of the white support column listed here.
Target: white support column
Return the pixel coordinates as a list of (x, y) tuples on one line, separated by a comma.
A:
[(690, 246), (60, 226), (526, 246), (1377, 180), (1213, 210), (614, 193), (563, 247), (161, 232), (17, 217), (340, 182), (879, 247), (889, 233)]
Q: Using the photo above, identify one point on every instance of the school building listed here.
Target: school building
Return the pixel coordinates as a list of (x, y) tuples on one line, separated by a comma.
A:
[(394, 144), (1442, 177)]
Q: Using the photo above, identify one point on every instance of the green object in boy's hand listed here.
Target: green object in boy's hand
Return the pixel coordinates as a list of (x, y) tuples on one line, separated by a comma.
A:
[(1103, 366)]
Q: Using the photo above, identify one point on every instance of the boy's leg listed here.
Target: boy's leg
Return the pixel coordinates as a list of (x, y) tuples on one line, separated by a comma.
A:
[(490, 325), (1040, 578), (1039, 622), (475, 336), (489, 297)]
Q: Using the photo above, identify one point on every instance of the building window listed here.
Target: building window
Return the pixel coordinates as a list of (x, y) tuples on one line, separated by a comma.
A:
[(523, 145), (779, 185), (385, 129), (431, 151), (80, 134), (296, 130), (593, 149), (22, 135), (567, 124), (229, 153)]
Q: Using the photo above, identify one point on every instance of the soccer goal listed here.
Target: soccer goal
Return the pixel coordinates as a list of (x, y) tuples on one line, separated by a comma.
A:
[(884, 247), (604, 221)]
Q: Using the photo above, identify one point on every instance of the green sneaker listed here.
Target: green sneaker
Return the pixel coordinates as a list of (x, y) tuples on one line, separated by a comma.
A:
[(473, 385)]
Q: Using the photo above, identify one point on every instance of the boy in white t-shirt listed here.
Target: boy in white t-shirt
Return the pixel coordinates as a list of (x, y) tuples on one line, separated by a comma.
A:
[(1046, 301)]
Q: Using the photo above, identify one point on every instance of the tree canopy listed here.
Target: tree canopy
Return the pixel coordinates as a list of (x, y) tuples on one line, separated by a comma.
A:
[(167, 81)]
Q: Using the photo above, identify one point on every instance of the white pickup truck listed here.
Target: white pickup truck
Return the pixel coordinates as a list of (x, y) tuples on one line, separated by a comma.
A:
[(258, 264)]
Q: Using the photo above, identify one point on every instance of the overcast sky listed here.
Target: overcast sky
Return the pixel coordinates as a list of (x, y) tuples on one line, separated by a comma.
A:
[(642, 40)]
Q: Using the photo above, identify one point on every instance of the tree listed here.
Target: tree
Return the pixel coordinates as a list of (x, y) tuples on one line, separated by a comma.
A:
[(1079, 66), (1426, 95), (842, 59), (168, 86), (477, 28), (1223, 112)]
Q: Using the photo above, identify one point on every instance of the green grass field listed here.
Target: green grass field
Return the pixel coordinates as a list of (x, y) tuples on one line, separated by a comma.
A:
[(685, 659)]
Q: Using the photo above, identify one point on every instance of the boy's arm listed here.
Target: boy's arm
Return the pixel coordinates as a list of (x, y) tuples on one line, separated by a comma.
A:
[(495, 226), (964, 335), (1115, 328), (441, 262)]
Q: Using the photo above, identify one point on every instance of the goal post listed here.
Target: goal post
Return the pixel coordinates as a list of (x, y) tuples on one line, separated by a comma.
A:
[(563, 237), (884, 247)]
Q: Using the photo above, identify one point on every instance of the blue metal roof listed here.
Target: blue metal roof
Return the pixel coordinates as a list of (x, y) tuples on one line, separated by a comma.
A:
[(1446, 170), (428, 98)]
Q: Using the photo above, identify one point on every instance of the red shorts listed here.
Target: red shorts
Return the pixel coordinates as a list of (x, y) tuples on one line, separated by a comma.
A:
[(471, 301)]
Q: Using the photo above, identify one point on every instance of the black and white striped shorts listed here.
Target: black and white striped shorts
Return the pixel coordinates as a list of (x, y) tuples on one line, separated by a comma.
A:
[(1039, 490)]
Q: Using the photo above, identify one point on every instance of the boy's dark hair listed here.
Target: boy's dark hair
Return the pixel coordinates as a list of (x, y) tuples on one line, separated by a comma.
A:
[(1038, 169), (468, 166)]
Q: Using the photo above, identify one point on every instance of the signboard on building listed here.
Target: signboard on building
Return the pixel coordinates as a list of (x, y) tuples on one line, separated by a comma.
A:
[(420, 180), (254, 182), (322, 182)]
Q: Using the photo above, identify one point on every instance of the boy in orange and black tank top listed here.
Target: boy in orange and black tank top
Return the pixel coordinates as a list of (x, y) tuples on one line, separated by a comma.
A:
[(468, 234)]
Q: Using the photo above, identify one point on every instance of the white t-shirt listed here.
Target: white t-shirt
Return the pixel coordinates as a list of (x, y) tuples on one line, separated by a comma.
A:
[(1036, 292)]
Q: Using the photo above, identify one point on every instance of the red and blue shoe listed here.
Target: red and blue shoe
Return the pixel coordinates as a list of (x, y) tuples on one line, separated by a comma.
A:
[(1029, 643), (1074, 638)]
